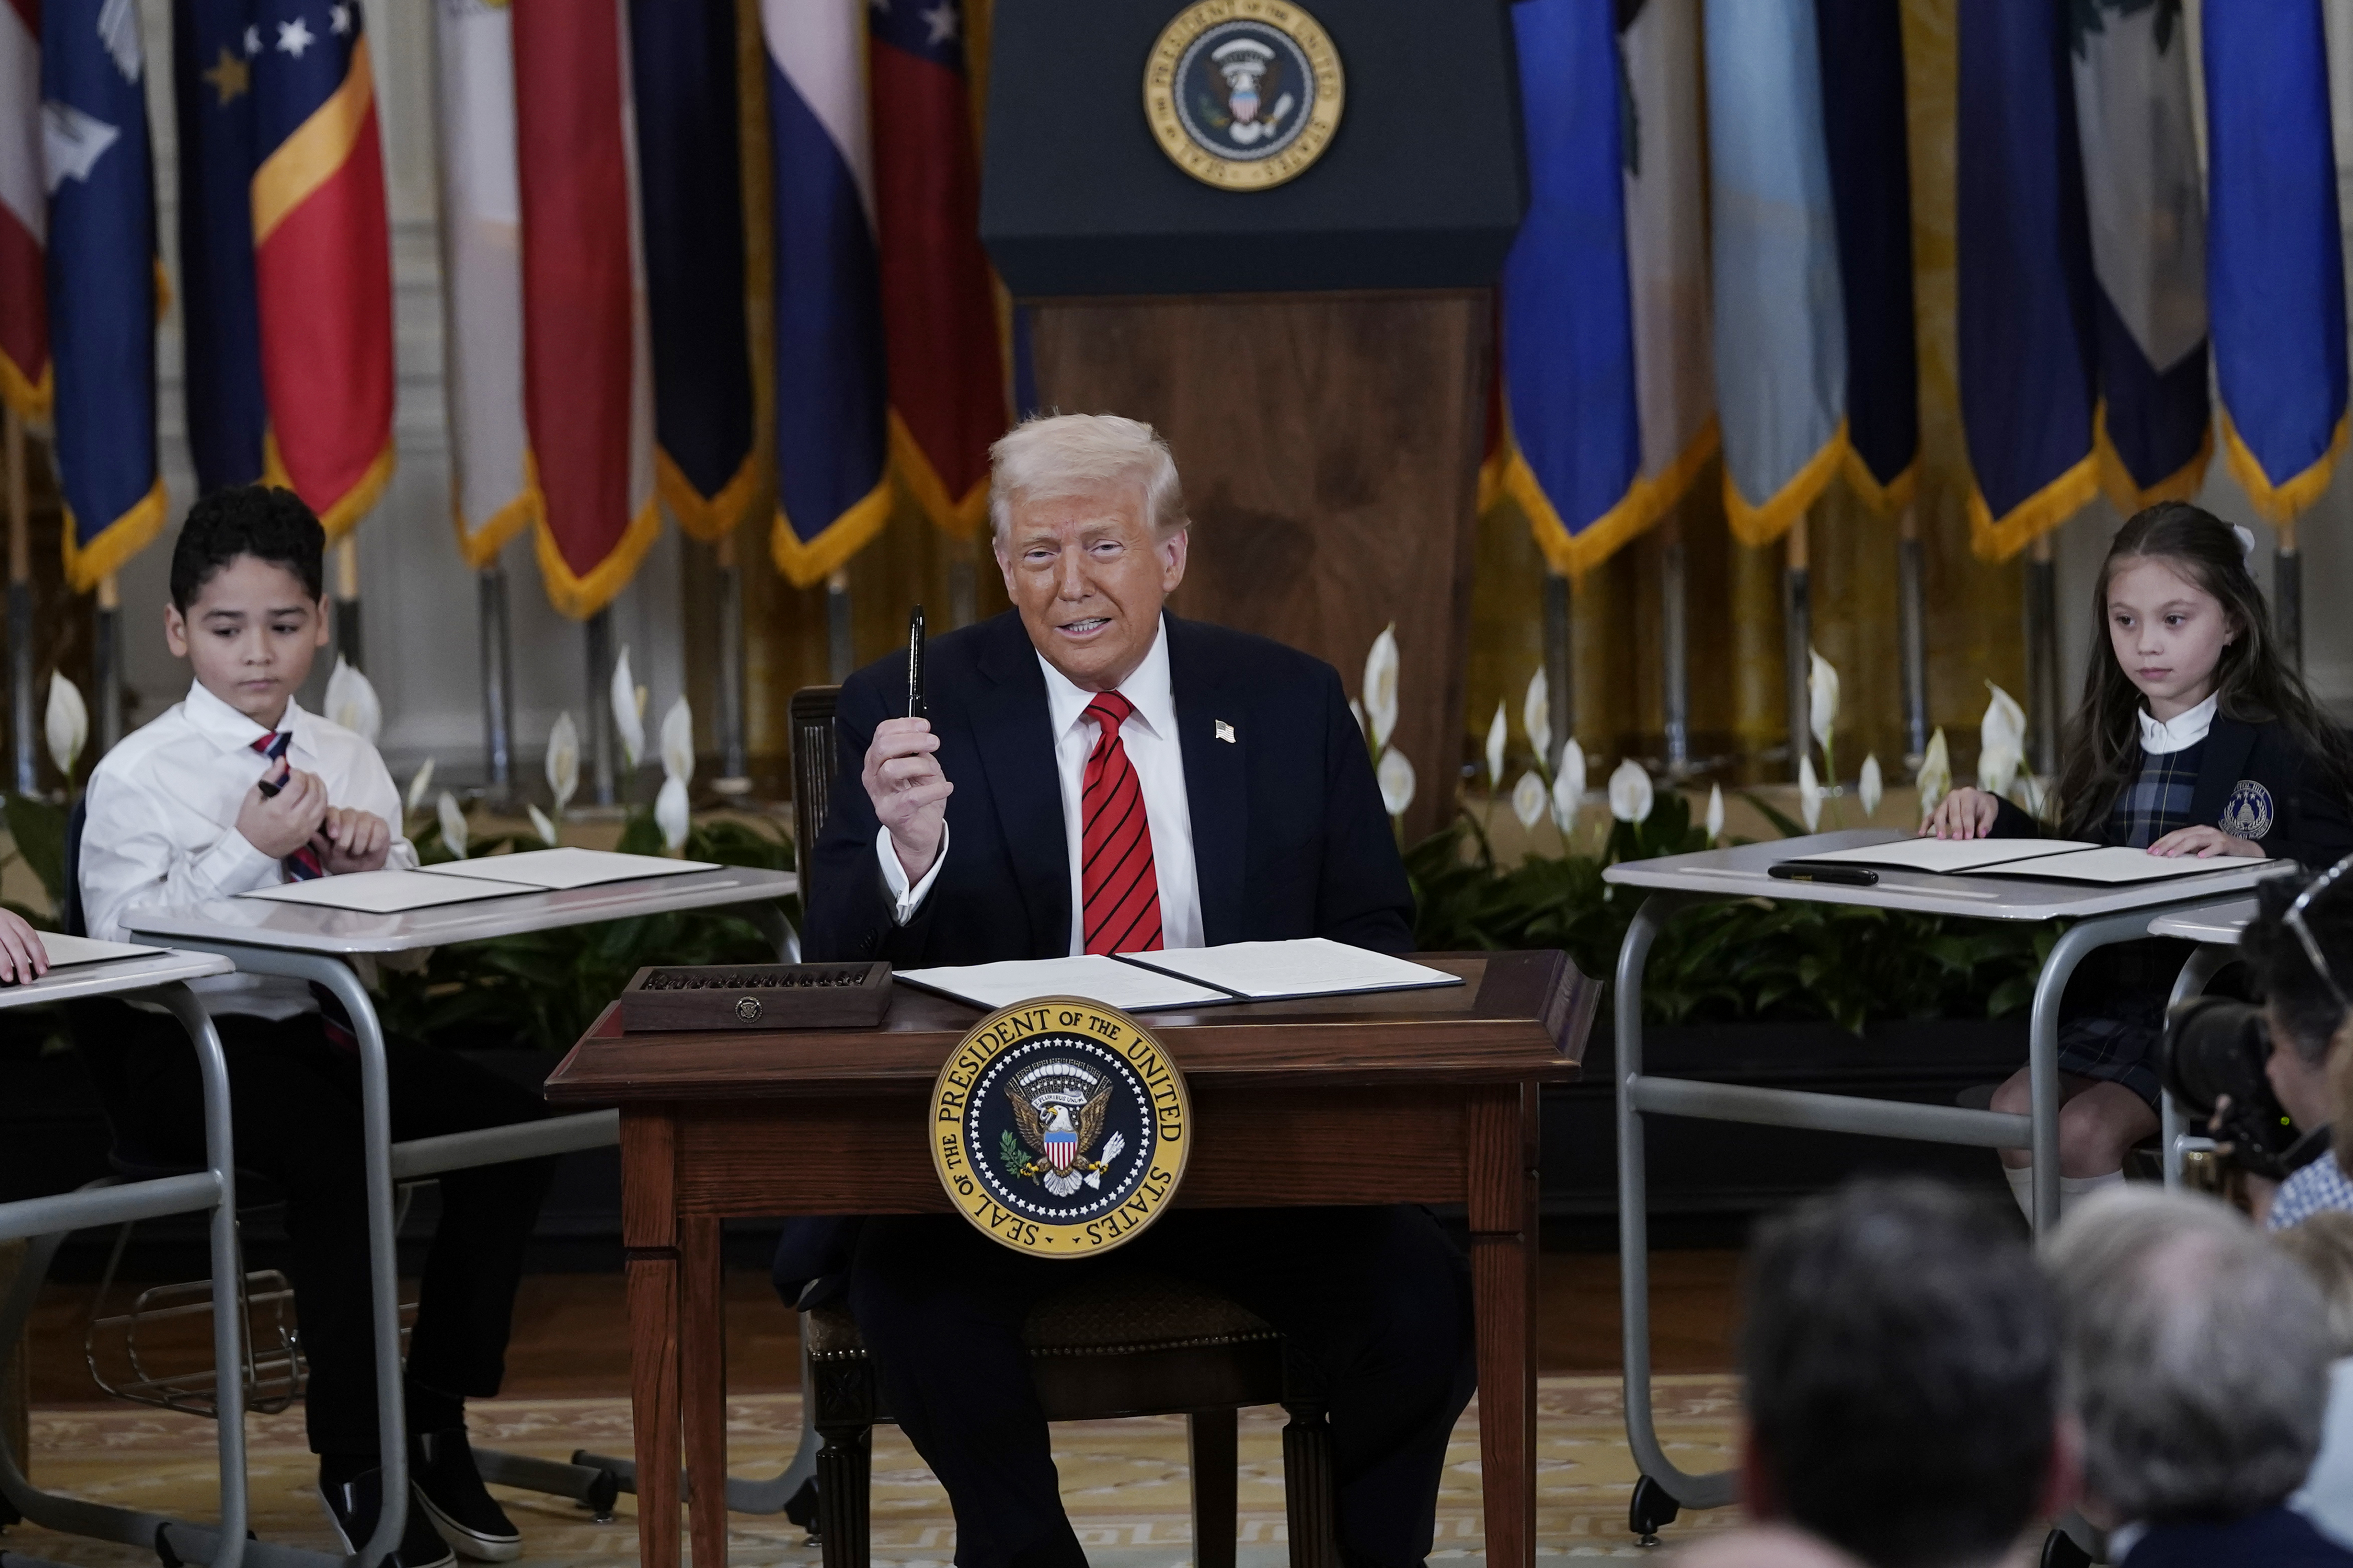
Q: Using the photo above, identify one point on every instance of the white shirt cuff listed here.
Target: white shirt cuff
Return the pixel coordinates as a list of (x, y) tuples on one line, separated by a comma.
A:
[(894, 876)]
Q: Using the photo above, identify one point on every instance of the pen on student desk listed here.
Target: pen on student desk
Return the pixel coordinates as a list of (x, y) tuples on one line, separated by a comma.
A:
[(916, 707), (1842, 876)]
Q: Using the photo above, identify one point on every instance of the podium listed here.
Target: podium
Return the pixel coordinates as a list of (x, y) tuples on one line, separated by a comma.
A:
[(1427, 1096), (1316, 350)]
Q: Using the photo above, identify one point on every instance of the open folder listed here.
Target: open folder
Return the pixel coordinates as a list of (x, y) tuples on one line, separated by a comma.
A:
[(1185, 977), (2043, 859)]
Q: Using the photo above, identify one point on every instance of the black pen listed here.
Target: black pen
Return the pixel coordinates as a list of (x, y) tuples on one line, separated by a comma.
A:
[(917, 707), (1841, 876)]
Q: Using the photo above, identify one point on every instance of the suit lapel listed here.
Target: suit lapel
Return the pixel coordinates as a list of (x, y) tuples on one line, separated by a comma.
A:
[(1217, 792), (2229, 742), (1014, 736)]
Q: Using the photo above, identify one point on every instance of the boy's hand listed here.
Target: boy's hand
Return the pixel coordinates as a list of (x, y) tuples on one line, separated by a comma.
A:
[(22, 956), (2205, 843), (277, 824), (352, 840), (1966, 813)]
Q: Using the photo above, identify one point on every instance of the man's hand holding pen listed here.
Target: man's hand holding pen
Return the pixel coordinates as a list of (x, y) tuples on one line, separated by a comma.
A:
[(910, 791)]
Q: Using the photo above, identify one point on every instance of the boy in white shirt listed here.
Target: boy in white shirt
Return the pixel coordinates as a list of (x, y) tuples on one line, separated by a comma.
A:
[(235, 788)]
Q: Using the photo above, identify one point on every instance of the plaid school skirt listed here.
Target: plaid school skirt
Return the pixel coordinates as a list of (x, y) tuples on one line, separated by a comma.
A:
[(2115, 1033)]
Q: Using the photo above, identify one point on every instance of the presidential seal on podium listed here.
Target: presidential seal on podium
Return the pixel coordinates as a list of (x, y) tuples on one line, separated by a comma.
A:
[(1059, 1127), (1243, 94)]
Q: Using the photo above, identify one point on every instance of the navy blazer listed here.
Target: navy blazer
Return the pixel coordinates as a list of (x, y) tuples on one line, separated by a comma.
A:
[(2306, 801), (1289, 835), (2273, 1538)]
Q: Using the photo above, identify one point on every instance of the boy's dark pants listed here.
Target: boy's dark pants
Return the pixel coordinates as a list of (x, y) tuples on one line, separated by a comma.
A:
[(296, 1114)]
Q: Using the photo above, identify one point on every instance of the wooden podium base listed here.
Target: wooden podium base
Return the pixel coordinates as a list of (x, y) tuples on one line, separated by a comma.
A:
[(1330, 447)]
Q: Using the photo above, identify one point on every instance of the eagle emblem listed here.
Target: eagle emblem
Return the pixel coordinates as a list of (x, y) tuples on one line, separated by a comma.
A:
[(1058, 1107)]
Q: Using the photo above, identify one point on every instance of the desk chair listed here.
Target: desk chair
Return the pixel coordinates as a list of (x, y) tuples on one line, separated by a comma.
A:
[(1125, 1344)]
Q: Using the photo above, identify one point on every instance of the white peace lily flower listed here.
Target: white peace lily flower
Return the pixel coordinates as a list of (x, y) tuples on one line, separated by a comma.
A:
[(564, 761), (1497, 735), (1996, 766), (1381, 686), (1714, 813), (352, 702), (1822, 697), (453, 825), (1535, 716), (1568, 787), (65, 725), (1870, 786), (1395, 776), (678, 742), (1528, 800), (541, 825), (418, 786), (1631, 794), (1935, 780), (629, 712), (1356, 712), (1810, 794), (2003, 728), (671, 814)]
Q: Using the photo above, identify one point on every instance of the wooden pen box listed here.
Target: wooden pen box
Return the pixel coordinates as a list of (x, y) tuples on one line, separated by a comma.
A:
[(666, 998)]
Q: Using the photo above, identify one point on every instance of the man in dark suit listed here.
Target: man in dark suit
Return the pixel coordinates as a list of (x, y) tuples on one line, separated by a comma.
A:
[(1095, 776)]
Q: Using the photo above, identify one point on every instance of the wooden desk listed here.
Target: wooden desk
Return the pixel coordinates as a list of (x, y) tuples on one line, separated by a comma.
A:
[(1425, 1097)]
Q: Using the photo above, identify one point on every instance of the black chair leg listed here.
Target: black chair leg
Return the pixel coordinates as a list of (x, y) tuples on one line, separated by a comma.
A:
[(844, 1418), (1216, 1454), (1307, 1486)]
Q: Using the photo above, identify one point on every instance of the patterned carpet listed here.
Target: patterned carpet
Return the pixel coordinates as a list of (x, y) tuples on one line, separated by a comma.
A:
[(1125, 1482)]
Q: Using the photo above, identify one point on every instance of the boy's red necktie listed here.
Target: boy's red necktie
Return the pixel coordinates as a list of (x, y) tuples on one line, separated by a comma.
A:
[(304, 865), (1120, 891)]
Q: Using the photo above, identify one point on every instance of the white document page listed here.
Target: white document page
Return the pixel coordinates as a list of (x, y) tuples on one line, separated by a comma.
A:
[(65, 949), (1092, 976), (1310, 966), (565, 866), (386, 892), (1949, 855), (2117, 865)]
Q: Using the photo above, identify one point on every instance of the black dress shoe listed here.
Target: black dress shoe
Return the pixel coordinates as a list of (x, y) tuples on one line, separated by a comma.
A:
[(352, 1508), (449, 1488)]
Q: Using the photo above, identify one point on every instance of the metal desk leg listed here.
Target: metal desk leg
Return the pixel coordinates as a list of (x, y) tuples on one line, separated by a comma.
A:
[(2042, 1046), (2207, 961)]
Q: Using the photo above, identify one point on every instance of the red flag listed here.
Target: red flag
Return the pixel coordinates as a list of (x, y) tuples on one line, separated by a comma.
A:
[(939, 305), (23, 213), (587, 392)]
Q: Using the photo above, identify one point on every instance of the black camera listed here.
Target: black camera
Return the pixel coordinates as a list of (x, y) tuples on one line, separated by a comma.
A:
[(2216, 1047)]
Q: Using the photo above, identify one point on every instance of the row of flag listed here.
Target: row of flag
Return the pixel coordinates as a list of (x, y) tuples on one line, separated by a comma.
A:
[(1718, 253), (609, 209)]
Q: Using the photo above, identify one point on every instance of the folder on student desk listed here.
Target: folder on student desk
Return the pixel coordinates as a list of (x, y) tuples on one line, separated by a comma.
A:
[(1185, 977), (386, 892), (2045, 859), (553, 871)]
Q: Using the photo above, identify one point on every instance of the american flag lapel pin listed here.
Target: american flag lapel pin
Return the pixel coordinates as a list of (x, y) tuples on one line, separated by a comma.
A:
[(1224, 733)]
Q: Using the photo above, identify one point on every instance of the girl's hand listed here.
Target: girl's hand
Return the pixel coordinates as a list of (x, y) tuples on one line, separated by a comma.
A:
[(22, 956), (2205, 843), (1966, 813)]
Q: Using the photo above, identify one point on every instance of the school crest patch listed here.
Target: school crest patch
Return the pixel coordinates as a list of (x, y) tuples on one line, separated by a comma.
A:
[(2248, 813), (1059, 1127)]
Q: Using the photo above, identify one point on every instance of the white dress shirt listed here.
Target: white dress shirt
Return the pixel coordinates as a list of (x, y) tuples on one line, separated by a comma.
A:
[(2180, 732), (161, 827), (1153, 749)]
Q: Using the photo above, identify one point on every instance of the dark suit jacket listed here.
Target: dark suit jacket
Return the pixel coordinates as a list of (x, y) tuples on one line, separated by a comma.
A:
[(2309, 821), (2276, 1538), (1288, 837)]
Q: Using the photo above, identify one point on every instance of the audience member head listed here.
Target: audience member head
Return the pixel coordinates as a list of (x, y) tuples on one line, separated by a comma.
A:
[(1900, 1349), (2302, 1001), (2197, 1357), (246, 614), (1090, 529), (2323, 1243)]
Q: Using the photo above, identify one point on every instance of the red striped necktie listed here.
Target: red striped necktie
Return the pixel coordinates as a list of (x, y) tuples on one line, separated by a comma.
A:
[(304, 865), (1120, 891)]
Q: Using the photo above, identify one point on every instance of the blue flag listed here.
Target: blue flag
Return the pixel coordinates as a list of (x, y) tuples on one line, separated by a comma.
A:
[(2276, 264), (214, 44), (102, 283)]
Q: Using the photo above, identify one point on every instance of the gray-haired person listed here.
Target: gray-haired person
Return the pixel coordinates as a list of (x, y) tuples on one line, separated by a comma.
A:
[(2197, 1359), (1901, 1352)]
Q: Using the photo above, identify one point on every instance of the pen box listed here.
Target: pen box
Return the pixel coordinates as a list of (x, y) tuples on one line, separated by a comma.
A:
[(759, 996)]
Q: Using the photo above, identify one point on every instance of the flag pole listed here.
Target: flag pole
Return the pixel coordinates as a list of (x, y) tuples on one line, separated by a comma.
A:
[(597, 633), (1675, 645), (498, 683), (734, 765), (347, 600), (1912, 634), (2287, 594), (1797, 639), (840, 649), (1559, 670), (2041, 655), (108, 657), (20, 607)]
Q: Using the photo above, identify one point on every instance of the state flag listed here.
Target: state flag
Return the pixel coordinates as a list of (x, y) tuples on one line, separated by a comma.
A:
[(24, 214)]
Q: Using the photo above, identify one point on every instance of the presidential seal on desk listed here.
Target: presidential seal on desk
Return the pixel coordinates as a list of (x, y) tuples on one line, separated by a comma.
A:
[(1243, 94), (1059, 1127)]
